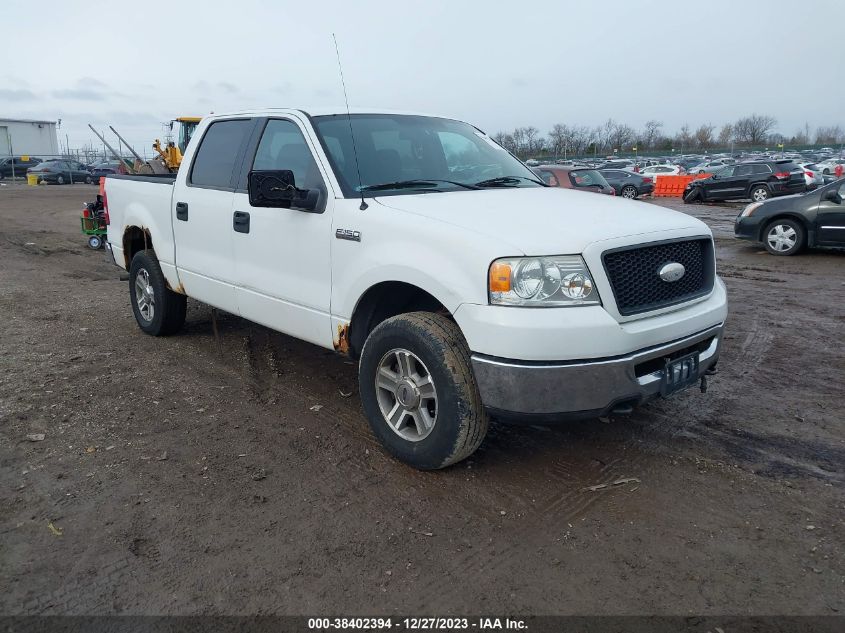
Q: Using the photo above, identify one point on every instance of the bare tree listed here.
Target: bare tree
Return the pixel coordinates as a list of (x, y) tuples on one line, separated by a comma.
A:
[(581, 138), (829, 135), (651, 133), (558, 137), (519, 141), (506, 141), (622, 137), (704, 135), (726, 134), (684, 138), (801, 136), (776, 138), (754, 129), (603, 134), (533, 141)]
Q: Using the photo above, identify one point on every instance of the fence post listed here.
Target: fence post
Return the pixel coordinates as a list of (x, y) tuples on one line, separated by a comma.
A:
[(12, 155)]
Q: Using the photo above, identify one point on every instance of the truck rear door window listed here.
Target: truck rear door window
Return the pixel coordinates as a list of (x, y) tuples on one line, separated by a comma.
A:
[(218, 153)]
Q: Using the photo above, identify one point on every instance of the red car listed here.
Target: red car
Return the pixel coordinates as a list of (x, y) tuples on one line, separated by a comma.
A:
[(574, 178)]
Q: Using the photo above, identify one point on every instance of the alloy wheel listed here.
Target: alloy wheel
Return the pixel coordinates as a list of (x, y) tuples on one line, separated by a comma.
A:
[(145, 295), (406, 394)]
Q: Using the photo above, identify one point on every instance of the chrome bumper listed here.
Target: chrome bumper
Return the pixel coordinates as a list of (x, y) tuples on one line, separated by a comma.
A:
[(581, 388)]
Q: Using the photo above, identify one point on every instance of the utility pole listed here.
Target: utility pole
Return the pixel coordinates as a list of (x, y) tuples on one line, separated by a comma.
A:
[(67, 151), (12, 154)]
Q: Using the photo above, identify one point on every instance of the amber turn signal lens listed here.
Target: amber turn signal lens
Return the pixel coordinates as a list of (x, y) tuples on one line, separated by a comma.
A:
[(500, 277)]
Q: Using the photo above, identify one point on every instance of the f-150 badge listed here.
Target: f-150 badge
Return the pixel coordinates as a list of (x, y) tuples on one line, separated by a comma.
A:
[(348, 234)]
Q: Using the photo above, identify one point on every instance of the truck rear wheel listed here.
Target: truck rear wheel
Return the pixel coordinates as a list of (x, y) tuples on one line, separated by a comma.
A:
[(158, 310), (418, 390)]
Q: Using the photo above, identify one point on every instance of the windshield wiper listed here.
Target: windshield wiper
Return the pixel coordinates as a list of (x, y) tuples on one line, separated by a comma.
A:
[(507, 181), (414, 184)]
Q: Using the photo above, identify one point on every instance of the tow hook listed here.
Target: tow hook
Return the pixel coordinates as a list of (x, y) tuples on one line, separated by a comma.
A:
[(709, 372)]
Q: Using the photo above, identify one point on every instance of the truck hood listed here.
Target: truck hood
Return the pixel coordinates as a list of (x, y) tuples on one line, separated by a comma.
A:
[(545, 220)]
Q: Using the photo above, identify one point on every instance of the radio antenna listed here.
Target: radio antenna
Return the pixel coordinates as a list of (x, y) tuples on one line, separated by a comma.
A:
[(349, 120)]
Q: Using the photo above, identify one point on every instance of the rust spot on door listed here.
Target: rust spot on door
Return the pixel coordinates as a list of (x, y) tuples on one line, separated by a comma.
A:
[(341, 343)]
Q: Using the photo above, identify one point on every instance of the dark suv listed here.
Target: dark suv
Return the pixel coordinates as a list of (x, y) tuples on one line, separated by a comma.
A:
[(759, 181)]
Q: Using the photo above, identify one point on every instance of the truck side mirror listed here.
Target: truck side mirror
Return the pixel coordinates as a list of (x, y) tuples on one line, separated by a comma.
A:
[(271, 188), (277, 188)]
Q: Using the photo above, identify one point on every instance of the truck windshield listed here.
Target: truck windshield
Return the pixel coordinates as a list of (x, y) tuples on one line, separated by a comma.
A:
[(404, 154)]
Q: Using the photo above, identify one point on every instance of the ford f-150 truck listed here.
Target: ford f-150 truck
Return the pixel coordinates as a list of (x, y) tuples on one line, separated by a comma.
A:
[(463, 285)]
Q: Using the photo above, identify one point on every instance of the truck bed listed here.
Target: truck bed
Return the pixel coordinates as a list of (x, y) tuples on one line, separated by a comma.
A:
[(135, 201)]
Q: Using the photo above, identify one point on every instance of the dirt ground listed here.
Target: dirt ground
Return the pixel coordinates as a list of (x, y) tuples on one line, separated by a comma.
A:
[(197, 475)]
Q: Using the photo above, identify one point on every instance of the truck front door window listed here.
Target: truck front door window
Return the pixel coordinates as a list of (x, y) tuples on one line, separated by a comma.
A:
[(283, 146)]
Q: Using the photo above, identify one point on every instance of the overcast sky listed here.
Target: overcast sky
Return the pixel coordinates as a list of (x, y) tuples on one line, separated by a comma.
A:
[(495, 63)]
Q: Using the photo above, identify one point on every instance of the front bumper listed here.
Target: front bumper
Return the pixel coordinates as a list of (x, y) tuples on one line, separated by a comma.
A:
[(748, 228), (547, 391)]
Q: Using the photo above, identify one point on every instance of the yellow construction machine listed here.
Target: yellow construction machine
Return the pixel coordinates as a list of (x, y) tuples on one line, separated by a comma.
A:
[(171, 153)]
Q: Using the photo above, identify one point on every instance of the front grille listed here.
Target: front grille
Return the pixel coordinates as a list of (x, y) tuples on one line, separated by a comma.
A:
[(633, 273)]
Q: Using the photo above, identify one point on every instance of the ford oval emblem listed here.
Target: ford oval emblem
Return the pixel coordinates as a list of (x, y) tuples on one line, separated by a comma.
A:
[(672, 272)]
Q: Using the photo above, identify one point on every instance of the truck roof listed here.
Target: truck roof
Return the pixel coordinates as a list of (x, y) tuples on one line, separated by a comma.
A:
[(323, 111)]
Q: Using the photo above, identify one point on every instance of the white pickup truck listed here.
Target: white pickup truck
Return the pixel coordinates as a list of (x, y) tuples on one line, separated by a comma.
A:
[(465, 287)]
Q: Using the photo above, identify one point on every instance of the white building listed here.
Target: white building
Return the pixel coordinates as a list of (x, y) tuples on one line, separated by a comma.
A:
[(25, 137)]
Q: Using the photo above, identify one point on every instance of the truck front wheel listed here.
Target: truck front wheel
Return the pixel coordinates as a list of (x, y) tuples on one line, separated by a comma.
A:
[(158, 310), (418, 390)]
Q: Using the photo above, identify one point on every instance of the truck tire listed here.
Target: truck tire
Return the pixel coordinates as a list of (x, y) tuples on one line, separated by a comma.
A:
[(158, 310), (418, 390)]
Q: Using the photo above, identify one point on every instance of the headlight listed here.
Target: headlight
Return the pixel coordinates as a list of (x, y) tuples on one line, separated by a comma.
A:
[(751, 208), (545, 282)]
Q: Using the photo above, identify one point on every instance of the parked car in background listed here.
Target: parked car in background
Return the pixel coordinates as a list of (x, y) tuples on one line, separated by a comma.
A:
[(660, 170), (758, 180), (628, 184), (828, 166), (617, 164), (574, 178), (788, 225), (17, 166), (709, 166), (571, 163), (62, 172), (532, 162), (107, 167), (813, 176)]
